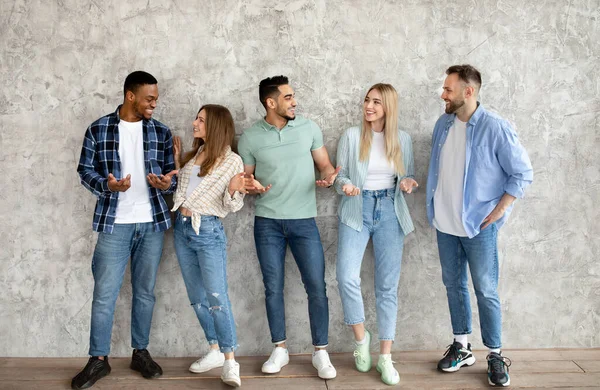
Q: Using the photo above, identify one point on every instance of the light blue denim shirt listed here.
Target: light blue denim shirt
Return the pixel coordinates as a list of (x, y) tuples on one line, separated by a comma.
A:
[(354, 171), (495, 163)]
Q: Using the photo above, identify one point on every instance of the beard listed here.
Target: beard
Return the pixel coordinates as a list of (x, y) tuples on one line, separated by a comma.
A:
[(284, 114), (454, 105)]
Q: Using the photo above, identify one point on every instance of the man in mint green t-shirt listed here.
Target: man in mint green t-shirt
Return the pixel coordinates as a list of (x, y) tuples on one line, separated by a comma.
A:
[(282, 150)]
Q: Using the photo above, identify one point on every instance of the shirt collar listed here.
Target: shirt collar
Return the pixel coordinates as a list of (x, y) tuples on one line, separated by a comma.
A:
[(479, 111), (117, 117), (267, 126)]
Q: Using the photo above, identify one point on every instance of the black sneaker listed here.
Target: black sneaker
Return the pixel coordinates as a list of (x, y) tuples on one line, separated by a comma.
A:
[(142, 361), (94, 369), (455, 357), (498, 369)]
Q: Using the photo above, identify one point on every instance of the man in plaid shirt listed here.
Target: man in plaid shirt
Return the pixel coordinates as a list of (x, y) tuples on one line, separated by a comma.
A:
[(127, 163)]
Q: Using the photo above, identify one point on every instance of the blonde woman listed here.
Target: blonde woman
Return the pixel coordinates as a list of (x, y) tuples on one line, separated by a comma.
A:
[(211, 184), (377, 166)]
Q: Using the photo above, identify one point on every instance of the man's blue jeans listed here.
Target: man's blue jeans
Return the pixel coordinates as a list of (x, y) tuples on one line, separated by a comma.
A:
[(140, 242), (481, 254), (203, 261), (272, 236)]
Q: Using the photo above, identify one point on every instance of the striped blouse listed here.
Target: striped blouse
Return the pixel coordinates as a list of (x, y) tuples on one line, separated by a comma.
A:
[(211, 196), (354, 172)]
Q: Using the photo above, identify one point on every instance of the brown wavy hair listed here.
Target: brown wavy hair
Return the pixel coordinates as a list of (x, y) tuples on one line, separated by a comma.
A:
[(220, 131)]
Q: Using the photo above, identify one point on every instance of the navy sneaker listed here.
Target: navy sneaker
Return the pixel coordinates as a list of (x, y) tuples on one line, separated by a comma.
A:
[(455, 357), (498, 369)]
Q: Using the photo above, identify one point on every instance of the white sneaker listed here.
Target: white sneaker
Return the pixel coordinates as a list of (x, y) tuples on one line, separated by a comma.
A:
[(213, 359), (231, 373), (320, 361), (279, 358)]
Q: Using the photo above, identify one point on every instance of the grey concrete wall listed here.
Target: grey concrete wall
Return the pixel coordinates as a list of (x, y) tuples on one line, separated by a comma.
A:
[(63, 64)]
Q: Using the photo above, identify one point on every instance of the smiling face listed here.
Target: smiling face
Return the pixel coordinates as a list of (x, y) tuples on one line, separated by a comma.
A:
[(454, 93), (144, 100), (373, 107), (285, 103), (199, 125)]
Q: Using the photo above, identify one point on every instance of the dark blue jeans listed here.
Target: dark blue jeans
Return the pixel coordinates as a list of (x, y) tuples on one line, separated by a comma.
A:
[(481, 254), (272, 236), (113, 250)]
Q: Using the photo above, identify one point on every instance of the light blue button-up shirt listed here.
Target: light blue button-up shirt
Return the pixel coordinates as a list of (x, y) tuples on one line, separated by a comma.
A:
[(495, 163)]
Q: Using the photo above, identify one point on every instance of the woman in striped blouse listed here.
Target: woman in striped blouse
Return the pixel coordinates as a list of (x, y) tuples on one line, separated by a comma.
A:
[(210, 185), (377, 166)]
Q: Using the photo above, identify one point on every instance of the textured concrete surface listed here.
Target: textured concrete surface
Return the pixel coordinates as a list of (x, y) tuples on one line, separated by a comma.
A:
[(63, 64)]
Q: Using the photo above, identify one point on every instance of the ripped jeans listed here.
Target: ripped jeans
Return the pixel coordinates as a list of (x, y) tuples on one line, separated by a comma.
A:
[(203, 261)]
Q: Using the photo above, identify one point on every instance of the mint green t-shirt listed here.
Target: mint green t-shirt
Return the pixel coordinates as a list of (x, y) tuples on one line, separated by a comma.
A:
[(283, 158)]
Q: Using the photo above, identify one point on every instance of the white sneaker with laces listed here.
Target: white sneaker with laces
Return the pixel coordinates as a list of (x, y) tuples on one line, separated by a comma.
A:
[(231, 373), (279, 358), (320, 361), (213, 359)]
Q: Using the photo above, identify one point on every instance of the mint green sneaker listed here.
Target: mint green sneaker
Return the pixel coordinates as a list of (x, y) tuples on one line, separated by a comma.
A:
[(362, 356), (385, 366)]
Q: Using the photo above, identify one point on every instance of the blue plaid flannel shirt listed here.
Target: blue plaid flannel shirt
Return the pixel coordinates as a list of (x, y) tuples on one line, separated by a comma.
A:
[(100, 156)]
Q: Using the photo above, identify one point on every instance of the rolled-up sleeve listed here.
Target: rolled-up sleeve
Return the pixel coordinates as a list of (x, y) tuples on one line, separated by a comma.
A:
[(342, 161), (515, 162)]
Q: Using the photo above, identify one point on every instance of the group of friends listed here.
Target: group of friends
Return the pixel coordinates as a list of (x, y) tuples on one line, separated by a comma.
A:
[(130, 161)]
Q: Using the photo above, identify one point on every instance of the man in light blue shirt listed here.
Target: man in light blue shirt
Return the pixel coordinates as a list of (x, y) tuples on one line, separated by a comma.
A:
[(476, 171)]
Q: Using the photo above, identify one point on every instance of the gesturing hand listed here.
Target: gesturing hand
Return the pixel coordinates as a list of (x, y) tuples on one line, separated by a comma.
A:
[(177, 150), (350, 190), (407, 184), (162, 182), (118, 185), (237, 183), (327, 181), (253, 186)]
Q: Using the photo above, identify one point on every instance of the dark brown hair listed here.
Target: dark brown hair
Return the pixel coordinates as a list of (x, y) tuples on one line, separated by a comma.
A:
[(269, 88), (220, 131), (466, 73)]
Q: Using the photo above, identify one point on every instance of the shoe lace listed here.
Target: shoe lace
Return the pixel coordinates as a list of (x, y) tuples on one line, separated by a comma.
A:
[(145, 358), (230, 370), (452, 351), (359, 355), (498, 362), (388, 360)]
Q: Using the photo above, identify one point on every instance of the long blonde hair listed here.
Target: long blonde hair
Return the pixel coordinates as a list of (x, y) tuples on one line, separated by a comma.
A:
[(393, 149), (220, 132)]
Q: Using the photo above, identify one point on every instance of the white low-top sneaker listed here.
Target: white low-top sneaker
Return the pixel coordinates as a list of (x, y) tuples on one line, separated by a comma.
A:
[(279, 358), (213, 359), (320, 361), (231, 373)]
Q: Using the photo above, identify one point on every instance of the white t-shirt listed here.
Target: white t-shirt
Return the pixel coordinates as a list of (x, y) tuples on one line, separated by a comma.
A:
[(134, 204), (448, 197), (380, 173), (195, 180)]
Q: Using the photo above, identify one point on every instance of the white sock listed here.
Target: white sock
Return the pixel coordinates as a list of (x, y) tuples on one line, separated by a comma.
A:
[(496, 350), (384, 355), (364, 340), (462, 338)]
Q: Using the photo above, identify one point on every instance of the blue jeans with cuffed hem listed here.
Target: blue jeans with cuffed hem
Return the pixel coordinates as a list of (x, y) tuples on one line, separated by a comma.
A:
[(143, 245), (381, 224), (203, 261), (481, 255), (272, 236)]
